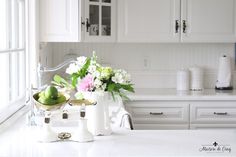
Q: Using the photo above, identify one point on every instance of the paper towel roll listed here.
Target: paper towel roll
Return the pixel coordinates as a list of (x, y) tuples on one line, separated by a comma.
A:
[(182, 82), (197, 80), (224, 73)]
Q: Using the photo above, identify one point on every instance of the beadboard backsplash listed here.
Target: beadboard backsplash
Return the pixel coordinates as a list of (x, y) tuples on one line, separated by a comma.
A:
[(151, 65)]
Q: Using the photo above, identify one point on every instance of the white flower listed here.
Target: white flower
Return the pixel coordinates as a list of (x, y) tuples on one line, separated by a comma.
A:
[(73, 68), (81, 61), (97, 83), (97, 74), (92, 69), (106, 72), (127, 78), (121, 77), (103, 87), (117, 78)]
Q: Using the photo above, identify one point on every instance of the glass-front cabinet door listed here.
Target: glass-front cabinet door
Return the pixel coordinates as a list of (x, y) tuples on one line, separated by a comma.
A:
[(100, 20)]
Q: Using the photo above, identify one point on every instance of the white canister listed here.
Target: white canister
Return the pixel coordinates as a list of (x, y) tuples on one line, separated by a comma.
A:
[(196, 78), (182, 80)]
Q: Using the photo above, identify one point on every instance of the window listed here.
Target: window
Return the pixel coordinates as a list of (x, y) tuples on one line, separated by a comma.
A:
[(12, 57)]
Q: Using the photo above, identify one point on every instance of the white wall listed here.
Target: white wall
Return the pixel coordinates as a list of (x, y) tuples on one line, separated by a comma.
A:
[(151, 65), (46, 60)]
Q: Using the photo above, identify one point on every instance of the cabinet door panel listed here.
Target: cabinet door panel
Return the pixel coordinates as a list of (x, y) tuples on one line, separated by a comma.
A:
[(209, 20), (101, 16), (213, 112), (161, 127), (148, 21), (212, 126), (146, 112), (60, 20)]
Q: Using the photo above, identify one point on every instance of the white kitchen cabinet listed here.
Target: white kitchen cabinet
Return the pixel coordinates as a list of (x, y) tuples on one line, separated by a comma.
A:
[(100, 21), (207, 114), (213, 114), (60, 20), (159, 114), (212, 126), (148, 20), (208, 20), (77, 20), (177, 21), (161, 126)]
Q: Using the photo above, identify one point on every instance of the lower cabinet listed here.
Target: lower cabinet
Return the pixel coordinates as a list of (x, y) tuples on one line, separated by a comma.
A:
[(213, 115), (158, 115), (153, 115), (161, 126), (212, 126)]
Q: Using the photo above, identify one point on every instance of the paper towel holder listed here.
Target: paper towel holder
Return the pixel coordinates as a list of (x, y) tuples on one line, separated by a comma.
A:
[(222, 88)]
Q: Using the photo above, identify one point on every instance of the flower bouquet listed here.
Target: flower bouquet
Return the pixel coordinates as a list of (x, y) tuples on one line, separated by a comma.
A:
[(95, 82), (87, 75)]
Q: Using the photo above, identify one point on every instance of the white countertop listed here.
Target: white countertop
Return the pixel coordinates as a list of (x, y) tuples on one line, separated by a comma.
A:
[(172, 94), (19, 141)]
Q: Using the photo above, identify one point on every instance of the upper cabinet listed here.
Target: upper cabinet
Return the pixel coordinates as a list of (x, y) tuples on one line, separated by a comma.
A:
[(170, 21), (100, 21), (176, 21), (60, 20), (148, 20), (208, 20), (77, 20)]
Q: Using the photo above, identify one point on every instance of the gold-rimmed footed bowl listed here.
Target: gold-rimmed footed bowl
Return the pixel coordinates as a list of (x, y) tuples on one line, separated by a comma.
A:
[(50, 107)]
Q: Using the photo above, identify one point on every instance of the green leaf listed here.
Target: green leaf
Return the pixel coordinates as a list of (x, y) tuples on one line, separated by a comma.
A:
[(123, 96), (74, 78), (79, 96), (56, 84), (128, 87), (83, 71), (57, 78), (59, 81), (111, 87)]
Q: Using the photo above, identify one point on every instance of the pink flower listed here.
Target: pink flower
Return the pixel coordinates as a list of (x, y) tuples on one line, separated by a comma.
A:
[(87, 83)]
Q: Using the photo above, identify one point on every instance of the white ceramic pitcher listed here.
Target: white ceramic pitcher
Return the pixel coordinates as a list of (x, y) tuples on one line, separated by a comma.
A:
[(98, 115)]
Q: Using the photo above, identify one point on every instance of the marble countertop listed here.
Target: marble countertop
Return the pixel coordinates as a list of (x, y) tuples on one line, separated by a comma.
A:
[(172, 94), (19, 141)]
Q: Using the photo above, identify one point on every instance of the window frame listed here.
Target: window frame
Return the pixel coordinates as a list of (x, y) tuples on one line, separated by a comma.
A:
[(17, 50)]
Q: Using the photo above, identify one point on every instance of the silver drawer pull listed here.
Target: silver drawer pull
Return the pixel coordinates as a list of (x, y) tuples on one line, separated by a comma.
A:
[(220, 113), (156, 113)]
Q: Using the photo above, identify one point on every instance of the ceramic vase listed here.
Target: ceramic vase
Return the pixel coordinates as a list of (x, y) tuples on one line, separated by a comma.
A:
[(98, 115)]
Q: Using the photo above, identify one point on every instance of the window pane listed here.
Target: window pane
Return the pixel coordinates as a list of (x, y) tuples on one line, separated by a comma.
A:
[(22, 72), (21, 41), (94, 20), (3, 24), (14, 73), (106, 1), (106, 20), (14, 24), (4, 79), (12, 63)]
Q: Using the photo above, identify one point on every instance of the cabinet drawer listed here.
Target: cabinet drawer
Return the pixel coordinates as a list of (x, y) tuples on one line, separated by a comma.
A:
[(212, 126), (213, 112), (161, 126), (158, 112)]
